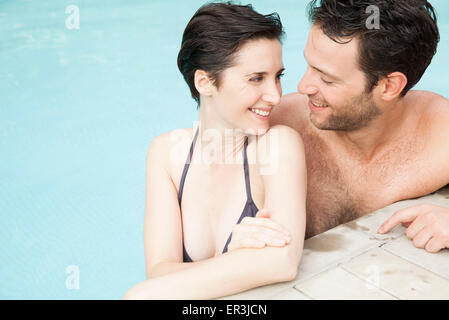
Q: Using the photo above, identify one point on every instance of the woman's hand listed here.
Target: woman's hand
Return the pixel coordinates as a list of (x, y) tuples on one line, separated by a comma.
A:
[(258, 232)]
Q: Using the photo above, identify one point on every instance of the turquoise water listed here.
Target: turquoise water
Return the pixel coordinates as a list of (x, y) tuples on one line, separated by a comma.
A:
[(78, 110)]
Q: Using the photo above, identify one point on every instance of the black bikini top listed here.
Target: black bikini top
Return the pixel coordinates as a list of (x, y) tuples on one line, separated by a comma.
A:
[(250, 209)]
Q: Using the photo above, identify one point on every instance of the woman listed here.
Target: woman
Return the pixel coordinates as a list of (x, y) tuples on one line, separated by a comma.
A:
[(204, 234)]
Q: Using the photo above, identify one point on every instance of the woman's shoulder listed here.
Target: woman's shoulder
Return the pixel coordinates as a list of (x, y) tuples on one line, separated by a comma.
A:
[(167, 139), (163, 146), (281, 136), (280, 145), (284, 130)]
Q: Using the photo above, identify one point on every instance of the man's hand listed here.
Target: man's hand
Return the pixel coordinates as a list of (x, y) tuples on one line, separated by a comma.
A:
[(258, 232), (427, 225)]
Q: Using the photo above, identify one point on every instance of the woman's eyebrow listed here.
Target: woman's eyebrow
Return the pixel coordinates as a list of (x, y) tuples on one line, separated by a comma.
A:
[(262, 73)]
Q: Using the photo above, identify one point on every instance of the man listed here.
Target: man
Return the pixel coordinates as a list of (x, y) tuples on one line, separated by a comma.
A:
[(369, 140)]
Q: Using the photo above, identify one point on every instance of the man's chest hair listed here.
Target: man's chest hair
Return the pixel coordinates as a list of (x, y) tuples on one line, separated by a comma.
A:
[(342, 188)]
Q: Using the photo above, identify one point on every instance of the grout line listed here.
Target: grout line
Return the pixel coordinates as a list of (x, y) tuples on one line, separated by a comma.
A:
[(335, 264), (364, 280), (371, 235), (406, 260), (415, 263), (302, 292)]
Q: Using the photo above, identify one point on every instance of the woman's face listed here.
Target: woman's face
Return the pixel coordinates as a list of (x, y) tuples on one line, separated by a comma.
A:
[(250, 89)]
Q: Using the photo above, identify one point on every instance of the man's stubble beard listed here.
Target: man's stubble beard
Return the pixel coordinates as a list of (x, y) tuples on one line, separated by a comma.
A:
[(356, 114)]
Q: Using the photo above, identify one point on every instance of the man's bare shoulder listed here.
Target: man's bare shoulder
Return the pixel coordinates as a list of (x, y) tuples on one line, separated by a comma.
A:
[(292, 112), (433, 108), (435, 120), (429, 102)]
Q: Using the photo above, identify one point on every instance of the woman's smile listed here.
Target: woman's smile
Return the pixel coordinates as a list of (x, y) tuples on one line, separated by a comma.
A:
[(261, 114)]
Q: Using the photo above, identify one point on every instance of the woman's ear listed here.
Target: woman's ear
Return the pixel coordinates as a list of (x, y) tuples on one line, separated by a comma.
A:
[(203, 83), (392, 85)]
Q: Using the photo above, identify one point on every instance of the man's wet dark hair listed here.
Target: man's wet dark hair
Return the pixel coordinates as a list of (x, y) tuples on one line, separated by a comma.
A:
[(214, 35), (405, 41)]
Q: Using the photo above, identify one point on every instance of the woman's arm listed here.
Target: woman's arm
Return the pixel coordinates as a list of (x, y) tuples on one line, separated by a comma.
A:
[(241, 269), (285, 181), (219, 276), (162, 222)]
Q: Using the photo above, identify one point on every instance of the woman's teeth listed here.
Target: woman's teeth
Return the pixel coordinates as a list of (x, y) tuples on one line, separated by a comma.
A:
[(260, 112)]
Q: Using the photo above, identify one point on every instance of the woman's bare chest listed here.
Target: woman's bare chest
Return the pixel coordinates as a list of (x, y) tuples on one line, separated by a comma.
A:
[(211, 206)]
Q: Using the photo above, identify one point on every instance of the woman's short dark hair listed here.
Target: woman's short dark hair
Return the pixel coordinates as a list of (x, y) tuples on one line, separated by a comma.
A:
[(215, 33), (405, 40)]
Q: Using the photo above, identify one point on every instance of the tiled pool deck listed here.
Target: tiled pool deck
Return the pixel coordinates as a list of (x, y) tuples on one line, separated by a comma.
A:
[(352, 261)]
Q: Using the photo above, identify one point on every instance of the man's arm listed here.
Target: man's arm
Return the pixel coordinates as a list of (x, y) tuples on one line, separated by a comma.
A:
[(427, 224)]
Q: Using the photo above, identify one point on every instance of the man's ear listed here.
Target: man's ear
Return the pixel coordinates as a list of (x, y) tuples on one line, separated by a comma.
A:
[(392, 85), (203, 83)]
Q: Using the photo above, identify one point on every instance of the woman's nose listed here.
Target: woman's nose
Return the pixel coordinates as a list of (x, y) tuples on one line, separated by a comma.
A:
[(273, 95)]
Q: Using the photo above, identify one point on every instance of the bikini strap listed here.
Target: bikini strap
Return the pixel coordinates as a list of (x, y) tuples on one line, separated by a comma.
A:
[(186, 168), (246, 169), (189, 159)]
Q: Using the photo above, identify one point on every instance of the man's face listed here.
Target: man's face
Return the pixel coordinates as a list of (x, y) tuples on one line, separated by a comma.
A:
[(335, 84)]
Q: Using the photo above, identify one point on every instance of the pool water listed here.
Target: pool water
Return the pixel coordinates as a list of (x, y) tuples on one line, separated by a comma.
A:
[(78, 110)]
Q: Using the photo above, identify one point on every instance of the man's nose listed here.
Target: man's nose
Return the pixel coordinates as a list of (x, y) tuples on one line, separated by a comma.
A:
[(306, 85)]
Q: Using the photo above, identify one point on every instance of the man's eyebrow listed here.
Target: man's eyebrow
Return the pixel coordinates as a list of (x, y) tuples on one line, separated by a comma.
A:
[(330, 75)]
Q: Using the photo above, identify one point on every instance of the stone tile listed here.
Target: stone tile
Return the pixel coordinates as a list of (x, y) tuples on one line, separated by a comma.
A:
[(320, 253), (438, 198), (397, 276), (370, 223), (435, 262), (339, 245), (289, 294), (260, 293), (326, 250), (337, 283), (444, 192)]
